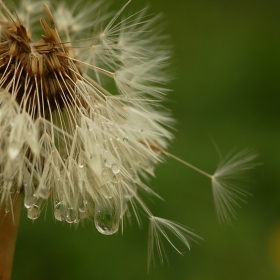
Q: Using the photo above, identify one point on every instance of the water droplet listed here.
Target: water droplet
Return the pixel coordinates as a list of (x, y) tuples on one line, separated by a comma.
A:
[(117, 178), (81, 165), (29, 201), (97, 111), (14, 149), (115, 168), (83, 208), (108, 162), (71, 216), (33, 213), (65, 157), (7, 209), (106, 218), (125, 140), (43, 192), (60, 211)]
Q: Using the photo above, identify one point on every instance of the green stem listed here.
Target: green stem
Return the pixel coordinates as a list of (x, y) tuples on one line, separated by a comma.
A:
[(9, 223)]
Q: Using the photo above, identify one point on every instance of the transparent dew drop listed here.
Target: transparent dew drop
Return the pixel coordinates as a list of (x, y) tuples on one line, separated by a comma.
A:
[(97, 111), (60, 211), (125, 140), (43, 192), (108, 162), (29, 201), (83, 208), (106, 218), (117, 178), (81, 165), (115, 168), (71, 216), (33, 213), (7, 209), (65, 157), (14, 149)]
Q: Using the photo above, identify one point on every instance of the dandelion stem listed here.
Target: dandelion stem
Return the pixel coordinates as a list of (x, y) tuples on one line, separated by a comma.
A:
[(8, 234), (189, 165)]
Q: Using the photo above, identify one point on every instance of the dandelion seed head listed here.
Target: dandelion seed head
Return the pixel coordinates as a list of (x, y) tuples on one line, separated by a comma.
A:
[(64, 136), (81, 120)]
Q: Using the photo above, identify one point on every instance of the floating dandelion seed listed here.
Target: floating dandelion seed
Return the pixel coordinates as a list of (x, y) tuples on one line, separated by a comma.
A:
[(65, 137)]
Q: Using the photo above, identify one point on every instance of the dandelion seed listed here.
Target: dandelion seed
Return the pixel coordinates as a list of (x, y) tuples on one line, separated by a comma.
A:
[(229, 174), (65, 137)]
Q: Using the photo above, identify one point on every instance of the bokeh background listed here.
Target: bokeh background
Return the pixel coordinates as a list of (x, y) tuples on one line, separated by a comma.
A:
[(227, 67)]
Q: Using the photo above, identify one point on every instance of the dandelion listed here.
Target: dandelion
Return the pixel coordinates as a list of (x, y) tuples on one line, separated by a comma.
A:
[(81, 120)]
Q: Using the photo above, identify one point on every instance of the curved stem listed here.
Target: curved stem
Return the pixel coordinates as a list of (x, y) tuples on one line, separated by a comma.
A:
[(8, 234)]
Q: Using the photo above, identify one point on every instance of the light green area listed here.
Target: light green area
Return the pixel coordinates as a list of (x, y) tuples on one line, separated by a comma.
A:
[(227, 68)]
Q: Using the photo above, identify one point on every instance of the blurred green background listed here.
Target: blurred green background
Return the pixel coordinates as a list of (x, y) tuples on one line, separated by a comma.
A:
[(227, 67)]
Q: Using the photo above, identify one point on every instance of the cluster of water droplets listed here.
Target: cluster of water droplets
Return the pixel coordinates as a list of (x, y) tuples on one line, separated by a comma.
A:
[(34, 200), (106, 210)]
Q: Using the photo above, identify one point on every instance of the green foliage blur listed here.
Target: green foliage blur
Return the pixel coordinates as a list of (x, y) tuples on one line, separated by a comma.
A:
[(226, 89)]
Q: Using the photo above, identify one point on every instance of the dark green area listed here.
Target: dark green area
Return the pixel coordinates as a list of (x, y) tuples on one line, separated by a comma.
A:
[(227, 67)]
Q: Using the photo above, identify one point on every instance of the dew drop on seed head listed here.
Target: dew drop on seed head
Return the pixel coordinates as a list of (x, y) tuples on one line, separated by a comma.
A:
[(125, 140), (81, 165), (71, 216), (117, 178), (97, 111), (108, 162), (33, 213), (115, 168), (29, 201), (106, 218), (60, 211), (83, 208), (7, 209), (13, 152)]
